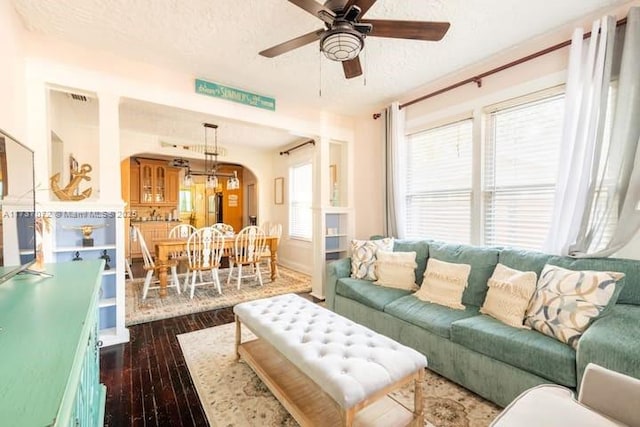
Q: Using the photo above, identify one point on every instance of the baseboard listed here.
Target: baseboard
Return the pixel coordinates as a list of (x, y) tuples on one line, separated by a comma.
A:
[(302, 268)]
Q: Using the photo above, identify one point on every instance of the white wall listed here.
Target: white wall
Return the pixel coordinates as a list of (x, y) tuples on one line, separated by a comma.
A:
[(368, 177), (293, 253), (80, 138), (12, 79)]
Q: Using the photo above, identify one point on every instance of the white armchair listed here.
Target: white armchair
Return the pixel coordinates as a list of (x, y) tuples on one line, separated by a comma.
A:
[(606, 398)]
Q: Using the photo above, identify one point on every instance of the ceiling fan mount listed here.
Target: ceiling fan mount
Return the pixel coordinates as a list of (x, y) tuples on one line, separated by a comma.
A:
[(343, 38)]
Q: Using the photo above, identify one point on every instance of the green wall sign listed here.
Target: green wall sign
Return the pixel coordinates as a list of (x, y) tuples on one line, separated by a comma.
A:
[(236, 95)]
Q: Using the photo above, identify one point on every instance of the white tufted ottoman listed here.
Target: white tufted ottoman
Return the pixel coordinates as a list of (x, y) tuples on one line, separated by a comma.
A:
[(325, 369)]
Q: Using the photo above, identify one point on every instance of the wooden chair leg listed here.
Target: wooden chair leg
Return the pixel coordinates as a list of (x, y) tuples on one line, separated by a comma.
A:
[(239, 275)]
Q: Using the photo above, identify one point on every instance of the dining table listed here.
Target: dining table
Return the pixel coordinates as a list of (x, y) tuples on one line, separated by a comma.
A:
[(166, 247)]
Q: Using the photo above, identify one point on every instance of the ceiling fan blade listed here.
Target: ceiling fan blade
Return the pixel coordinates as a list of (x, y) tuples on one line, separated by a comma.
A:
[(415, 30), (316, 9), (364, 5), (285, 47), (352, 68)]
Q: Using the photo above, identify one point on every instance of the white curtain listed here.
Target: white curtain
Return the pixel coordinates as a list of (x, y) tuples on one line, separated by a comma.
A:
[(598, 184), (394, 149)]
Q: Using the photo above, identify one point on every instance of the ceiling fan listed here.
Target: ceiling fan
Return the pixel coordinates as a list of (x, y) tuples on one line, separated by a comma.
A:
[(343, 38)]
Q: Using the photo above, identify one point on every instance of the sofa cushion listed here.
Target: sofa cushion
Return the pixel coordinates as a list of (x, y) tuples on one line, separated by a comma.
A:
[(524, 260), (421, 248), (365, 292), (434, 318), (483, 261), (525, 349)]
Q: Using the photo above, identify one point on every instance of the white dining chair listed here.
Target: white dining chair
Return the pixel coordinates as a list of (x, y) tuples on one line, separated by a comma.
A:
[(204, 251), (182, 231), (271, 229), (150, 267), (248, 248)]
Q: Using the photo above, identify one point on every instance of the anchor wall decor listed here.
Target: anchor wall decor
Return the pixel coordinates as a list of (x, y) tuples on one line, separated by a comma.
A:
[(68, 192)]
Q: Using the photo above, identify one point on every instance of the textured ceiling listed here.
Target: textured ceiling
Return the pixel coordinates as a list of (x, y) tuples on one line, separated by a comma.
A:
[(220, 39)]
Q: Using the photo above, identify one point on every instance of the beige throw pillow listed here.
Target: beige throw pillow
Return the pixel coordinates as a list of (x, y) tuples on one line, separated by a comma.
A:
[(396, 270), (363, 256), (566, 302), (444, 283), (509, 294)]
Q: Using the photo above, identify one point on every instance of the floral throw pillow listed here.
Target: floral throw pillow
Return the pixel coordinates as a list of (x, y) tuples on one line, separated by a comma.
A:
[(363, 256), (566, 302)]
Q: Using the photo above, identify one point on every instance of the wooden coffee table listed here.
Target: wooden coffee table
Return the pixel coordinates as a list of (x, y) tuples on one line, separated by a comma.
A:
[(316, 392)]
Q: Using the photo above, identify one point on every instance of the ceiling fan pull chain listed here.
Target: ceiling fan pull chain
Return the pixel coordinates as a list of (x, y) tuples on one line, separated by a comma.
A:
[(366, 67)]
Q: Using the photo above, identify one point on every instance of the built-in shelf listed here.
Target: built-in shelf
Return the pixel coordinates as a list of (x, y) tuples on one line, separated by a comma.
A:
[(83, 248), (108, 302), (334, 251), (108, 239)]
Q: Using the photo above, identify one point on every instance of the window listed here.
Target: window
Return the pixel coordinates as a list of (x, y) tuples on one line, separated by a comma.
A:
[(438, 177), (521, 149), (300, 196), (185, 201)]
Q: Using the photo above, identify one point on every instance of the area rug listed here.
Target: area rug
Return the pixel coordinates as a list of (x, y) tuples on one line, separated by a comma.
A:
[(232, 395), (206, 297)]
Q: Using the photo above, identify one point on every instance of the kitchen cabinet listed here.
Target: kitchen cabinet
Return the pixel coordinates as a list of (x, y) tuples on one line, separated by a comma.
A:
[(134, 184), (158, 183), (173, 186)]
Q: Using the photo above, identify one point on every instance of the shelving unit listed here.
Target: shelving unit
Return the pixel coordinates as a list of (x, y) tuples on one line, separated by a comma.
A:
[(334, 219), (66, 244), (336, 238)]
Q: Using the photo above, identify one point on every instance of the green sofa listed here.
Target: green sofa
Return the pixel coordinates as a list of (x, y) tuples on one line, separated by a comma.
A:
[(479, 352)]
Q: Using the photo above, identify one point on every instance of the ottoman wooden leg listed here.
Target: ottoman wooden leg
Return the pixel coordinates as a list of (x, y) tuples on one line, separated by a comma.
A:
[(418, 401)]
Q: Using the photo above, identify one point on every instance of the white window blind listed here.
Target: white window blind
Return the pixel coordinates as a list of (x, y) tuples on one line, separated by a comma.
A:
[(521, 159), (300, 193), (438, 177)]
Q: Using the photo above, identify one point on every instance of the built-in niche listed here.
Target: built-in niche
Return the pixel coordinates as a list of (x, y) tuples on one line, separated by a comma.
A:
[(74, 142), (338, 174)]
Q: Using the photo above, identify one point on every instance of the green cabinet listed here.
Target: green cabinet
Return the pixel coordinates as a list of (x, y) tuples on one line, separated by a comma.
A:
[(49, 361)]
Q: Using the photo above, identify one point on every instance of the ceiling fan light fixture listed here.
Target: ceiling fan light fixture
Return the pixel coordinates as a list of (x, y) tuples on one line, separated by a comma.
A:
[(342, 44)]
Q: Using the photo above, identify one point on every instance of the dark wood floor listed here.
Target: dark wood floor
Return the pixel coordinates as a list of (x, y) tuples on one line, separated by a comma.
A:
[(147, 379)]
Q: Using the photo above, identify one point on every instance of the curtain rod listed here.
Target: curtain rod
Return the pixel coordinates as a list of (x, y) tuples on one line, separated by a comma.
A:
[(478, 78), (287, 152)]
